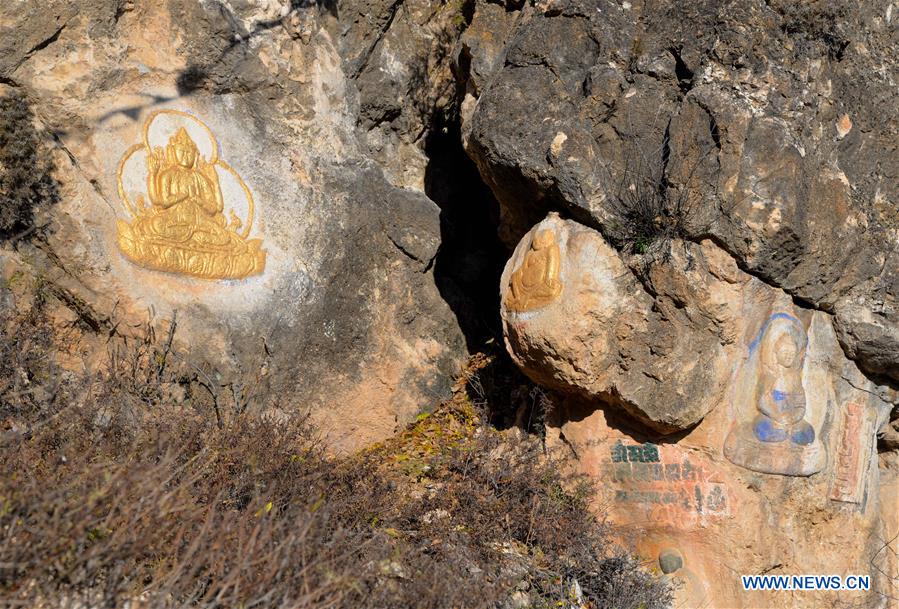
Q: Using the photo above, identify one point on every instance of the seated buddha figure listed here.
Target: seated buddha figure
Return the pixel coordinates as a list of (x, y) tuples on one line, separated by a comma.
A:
[(536, 282), (184, 230), (781, 397), (774, 436)]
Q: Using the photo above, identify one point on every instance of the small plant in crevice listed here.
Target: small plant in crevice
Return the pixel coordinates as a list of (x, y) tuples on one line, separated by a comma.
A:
[(815, 25), (26, 168), (662, 183), (650, 205)]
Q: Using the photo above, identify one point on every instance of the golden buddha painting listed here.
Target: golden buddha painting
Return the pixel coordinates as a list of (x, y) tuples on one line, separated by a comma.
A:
[(536, 282), (181, 190)]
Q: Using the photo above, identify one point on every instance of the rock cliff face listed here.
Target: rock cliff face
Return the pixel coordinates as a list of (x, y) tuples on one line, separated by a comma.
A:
[(729, 429), (318, 119), (718, 313), (764, 127), (697, 205)]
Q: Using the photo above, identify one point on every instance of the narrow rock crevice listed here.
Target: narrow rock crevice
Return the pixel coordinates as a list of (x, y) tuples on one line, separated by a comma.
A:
[(470, 261), (45, 43), (683, 73), (426, 264), (370, 51)]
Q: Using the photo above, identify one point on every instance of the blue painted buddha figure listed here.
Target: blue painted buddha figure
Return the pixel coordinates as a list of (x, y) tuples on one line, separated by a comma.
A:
[(781, 398), (771, 433)]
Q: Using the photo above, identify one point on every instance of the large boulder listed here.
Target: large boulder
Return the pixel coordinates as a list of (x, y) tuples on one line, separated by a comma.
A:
[(663, 357), (308, 282)]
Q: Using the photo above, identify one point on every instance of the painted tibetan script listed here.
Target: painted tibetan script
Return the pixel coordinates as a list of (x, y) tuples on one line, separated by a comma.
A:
[(665, 486), (177, 218)]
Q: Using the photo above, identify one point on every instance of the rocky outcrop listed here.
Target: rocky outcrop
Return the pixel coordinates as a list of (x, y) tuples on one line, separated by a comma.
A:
[(723, 423), (397, 54), (703, 214), (683, 498), (657, 335), (663, 357), (764, 127), (701, 198), (320, 288)]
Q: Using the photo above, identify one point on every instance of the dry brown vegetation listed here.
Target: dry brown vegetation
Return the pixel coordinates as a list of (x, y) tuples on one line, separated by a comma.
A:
[(121, 488)]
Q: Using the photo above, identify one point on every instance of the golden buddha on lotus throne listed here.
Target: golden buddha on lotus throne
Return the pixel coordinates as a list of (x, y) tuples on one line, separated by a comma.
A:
[(184, 229)]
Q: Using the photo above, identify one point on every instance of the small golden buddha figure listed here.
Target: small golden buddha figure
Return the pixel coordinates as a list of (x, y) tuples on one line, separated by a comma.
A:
[(184, 229), (536, 282)]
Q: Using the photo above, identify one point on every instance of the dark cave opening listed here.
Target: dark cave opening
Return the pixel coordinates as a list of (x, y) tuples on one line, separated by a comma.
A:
[(467, 272), (471, 257)]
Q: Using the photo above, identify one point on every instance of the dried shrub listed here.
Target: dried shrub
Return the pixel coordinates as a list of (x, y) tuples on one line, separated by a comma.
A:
[(117, 489), (26, 180), (651, 204), (505, 394)]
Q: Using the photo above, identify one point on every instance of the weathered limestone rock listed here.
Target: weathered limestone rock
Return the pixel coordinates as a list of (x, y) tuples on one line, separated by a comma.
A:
[(742, 165), (591, 329), (684, 497), (398, 55), (723, 520), (718, 307), (211, 169), (773, 468), (767, 127)]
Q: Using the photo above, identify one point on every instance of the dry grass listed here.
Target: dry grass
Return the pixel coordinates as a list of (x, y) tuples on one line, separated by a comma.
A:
[(124, 488)]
